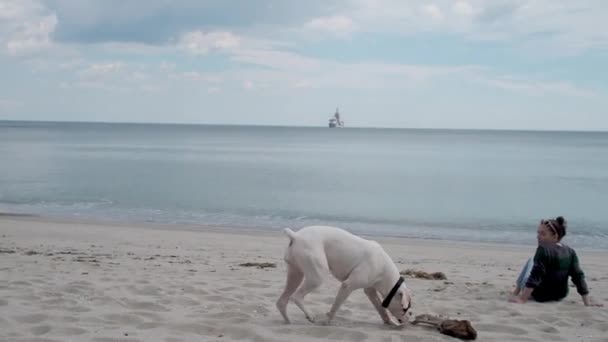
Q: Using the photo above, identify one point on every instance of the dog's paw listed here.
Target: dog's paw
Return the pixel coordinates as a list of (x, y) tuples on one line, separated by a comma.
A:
[(326, 321), (391, 322), (311, 319)]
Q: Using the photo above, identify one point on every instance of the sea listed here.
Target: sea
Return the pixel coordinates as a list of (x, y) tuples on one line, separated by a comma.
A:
[(458, 185)]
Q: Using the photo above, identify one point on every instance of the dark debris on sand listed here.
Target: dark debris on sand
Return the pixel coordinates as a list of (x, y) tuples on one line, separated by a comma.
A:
[(260, 265), (424, 275)]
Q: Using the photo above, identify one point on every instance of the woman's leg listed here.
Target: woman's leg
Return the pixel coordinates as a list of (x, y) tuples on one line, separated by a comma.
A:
[(523, 276)]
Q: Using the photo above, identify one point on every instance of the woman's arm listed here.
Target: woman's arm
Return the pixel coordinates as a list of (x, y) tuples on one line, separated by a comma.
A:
[(578, 278)]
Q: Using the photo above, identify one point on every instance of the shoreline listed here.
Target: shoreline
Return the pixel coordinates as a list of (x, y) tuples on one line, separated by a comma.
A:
[(261, 230)]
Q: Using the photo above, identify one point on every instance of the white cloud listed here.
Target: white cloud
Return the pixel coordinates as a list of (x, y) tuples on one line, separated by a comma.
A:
[(432, 11), (26, 27), (101, 70), (275, 59), (338, 25), (196, 76), (462, 8), (535, 87), (558, 26), (201, 43)]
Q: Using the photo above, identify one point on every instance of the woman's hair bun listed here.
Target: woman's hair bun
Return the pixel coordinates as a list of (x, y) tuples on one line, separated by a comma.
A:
[(561, 221)]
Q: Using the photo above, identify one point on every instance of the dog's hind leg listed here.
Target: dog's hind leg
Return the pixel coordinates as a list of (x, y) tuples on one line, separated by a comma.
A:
[(294, 279), (313, 278)]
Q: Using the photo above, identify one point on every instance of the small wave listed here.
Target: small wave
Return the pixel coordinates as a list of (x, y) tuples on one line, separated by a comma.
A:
[(106, 210)]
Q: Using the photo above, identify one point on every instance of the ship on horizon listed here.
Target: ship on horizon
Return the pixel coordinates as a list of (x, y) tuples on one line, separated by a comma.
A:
[(335, 122)]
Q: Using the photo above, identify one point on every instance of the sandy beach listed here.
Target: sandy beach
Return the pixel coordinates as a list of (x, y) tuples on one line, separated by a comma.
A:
[(79, 281)]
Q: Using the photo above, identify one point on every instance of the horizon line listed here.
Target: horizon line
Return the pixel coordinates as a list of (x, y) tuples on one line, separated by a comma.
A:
[(303, 126)]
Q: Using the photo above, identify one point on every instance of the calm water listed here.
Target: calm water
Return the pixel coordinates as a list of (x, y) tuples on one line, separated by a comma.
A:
[(464, 185)]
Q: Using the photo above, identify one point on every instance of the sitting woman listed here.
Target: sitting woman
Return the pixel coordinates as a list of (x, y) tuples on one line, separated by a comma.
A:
[(545, 277)]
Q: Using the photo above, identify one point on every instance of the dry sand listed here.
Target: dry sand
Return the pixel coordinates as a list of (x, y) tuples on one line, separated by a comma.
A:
[(77, 281)]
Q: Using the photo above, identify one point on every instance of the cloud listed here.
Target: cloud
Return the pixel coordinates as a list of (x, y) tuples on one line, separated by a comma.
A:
[(337, 25), (574, 26), (26, 27), (432, 11), (159, 21), (201, 43), (535, 87), (102, 69), (463, 8), (195, 76)]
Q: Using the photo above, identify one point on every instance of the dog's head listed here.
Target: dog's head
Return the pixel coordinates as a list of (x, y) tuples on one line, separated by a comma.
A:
[(401, 304)]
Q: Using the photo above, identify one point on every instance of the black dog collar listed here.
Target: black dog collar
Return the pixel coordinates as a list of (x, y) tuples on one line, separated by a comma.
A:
[(391, 294)]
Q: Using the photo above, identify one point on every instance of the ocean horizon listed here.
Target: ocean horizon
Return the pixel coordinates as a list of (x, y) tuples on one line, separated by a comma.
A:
[(453, 184)]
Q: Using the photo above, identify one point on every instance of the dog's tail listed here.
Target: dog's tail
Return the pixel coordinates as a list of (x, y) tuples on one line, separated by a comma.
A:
[(290, 233)]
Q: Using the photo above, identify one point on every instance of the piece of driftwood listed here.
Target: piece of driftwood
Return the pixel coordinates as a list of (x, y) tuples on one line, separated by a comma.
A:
[(461, 329), (424, 275)]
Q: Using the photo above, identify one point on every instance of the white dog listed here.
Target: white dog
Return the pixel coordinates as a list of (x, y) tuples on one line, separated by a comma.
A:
[(356, 262)]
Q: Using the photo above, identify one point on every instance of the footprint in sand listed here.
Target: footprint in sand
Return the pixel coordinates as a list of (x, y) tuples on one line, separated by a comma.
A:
[(123, 319), (256, 285), (55, 302), (148, 306), (239, 333), (79, 309), (29, 298), (70, 331), (146, 290), (549, 329), (70, 319), (198, 329), (31, 319), (187, 302), (227, 289), (148, 315), (219, 299), (233, 316), (343, 334), (505, 329), (527, 321), (4, 322), (173, 339), (20, 283), (40, 330), (148, 325), (257, 309), (114, 339)]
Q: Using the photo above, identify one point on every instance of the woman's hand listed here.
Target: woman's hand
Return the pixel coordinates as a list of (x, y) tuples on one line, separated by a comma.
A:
[(588, 302)]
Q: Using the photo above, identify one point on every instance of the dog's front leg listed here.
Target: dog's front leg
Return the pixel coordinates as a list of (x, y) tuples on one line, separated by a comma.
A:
[(345, 290), (372, 294)]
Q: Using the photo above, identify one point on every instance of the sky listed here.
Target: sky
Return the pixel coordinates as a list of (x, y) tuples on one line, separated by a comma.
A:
[(480, 64)]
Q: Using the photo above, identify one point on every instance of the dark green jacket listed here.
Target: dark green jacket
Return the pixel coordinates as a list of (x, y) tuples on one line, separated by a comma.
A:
[(553, 264)]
